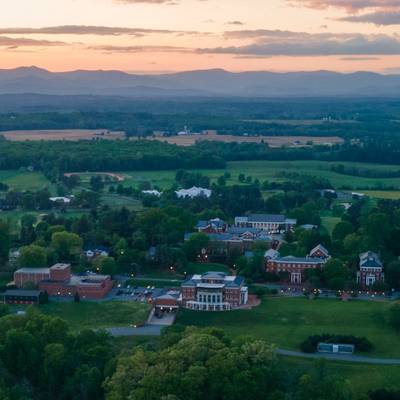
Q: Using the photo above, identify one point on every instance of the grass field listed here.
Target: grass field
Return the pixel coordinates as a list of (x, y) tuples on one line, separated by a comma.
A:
[(92, 315), (197, 268), (286, 322), (270, 170), (329, 222), (24, 180), (362, 378)]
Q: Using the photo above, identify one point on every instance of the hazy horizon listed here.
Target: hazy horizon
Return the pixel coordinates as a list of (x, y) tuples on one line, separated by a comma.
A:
[(181, 35)]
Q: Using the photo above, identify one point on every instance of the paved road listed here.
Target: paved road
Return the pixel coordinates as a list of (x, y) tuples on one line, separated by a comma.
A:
[(341, 357), (147, 330)]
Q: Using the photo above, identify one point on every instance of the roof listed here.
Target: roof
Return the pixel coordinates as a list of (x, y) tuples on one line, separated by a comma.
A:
[(320, 248), (271, 253), (292, 259), (193, 192), (370, 259), (213, 275), (228, 281), (266, 218), (241, 230), (21, 292), (60, 266), (33, 270)]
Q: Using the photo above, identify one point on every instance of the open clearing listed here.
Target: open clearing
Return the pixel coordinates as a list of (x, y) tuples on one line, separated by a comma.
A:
[(286, 322), (92, 315), (62, 134), (273, 141)]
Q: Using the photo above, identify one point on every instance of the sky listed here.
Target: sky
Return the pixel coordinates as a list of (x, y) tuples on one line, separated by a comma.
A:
[(161, 36)]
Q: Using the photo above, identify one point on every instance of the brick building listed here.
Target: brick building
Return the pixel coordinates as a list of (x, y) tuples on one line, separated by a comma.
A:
[(58, 281), (370, 270), (214, 291), (295, 267)]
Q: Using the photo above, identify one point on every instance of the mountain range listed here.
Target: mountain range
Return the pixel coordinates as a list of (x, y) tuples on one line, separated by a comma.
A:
[(201, 83)]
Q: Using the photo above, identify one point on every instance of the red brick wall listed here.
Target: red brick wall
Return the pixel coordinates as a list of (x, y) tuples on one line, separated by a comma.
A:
[(60, 274), (21, 278)]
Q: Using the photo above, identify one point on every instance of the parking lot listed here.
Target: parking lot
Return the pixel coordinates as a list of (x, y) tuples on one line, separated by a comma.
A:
[(136, 293)]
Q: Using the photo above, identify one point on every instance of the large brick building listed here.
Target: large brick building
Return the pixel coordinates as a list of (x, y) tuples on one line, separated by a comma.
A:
[(272, 223), (370, 270), (295, 267), (214, 291), (58, 281)]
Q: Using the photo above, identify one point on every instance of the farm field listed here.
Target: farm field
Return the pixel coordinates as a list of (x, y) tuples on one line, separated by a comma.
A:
[(272, 141), (286, 322), (308, 122), (94, 315), (62, 134)]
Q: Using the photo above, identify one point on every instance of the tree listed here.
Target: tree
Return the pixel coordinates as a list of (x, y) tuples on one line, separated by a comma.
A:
[(4, 240), (341, 230), (106, 265), (77, 298), (196, 243), (335, 274), (32, 256), (392, 274), (66, 245), (96, 183)]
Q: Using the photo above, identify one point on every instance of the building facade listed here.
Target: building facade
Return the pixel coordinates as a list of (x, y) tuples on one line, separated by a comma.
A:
[(295, 267), (272, 223), (214, 291), (59, 281), (370, 270), (21, 296)]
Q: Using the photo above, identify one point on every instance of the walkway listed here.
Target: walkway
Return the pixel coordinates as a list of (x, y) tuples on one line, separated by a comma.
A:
[(340, 357)]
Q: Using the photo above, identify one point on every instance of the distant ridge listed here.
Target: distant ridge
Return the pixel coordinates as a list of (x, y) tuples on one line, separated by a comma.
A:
[(200, 83)]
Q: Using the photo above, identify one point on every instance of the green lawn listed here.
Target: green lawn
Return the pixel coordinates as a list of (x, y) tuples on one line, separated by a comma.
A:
[(362, 378), (154, 282), (92, 315), (329, 223), (269, 170), (23, 180), (201, 268), (286, 322)]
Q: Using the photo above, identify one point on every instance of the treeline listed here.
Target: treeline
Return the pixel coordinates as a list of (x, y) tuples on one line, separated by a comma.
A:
[(364, 172), (104, 156)]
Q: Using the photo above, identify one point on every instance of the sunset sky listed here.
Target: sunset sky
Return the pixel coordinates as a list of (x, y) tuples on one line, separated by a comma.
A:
[(152, 36)]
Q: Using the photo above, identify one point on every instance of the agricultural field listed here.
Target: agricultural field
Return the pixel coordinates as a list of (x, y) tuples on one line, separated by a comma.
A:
[(62, 134), (286, 322), (272, 141), (95, 315)]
